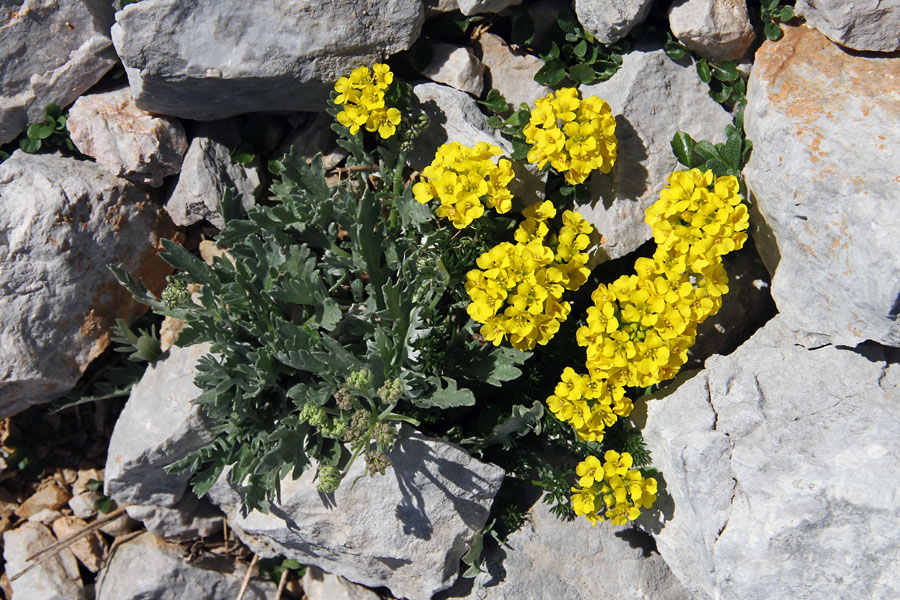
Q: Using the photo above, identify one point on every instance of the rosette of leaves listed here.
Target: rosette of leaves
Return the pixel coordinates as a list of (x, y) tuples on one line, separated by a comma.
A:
[(574, 54), (332, 314), (51, 132), (772, 14)]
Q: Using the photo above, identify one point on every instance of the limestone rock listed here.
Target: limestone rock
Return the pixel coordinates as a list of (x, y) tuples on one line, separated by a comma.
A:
[(824, 174), (511, 72), (206, 60), (435, 7), (55, 578), (62, 221), (50, 495), (208, 171), (715, 29), (315, 136), (775, 458), (455, 116), (51, 52), (319, 585), (455, 66), (406, 530), (472, 7), (90, 551), (871, 25), (125, 140), (147, 567), (190, 519), (158, 426), (552, 558), (611, 20), (646, 120)]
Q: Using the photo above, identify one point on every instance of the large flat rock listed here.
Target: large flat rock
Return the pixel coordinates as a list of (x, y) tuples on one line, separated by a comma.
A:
[(206, 59), (775, 458), (406, 530), (50, 52), (825, 179), (62, 221)]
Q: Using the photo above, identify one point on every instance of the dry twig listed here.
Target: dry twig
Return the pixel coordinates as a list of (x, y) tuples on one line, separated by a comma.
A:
[(247, 577)]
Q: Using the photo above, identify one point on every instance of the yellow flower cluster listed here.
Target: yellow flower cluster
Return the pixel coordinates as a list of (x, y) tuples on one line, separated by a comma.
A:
[(362, 95), (462, 178), (611, 490), (517, 289), (641, 326), (576, 136)]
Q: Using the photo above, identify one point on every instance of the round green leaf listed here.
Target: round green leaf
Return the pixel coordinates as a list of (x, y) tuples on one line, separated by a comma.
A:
[(703, 70), (29, 145), (683, 148), (39, 131), (786, 13), (725, 71), (773, 31)]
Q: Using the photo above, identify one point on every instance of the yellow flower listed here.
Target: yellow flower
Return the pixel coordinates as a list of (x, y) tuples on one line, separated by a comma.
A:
[(362, 95)]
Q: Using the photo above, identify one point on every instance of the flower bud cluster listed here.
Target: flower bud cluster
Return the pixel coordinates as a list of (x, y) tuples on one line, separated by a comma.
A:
[(359, 381), (641, 326), (358, 429), (314, 414), (464, 179), (362, 95), (575, 136), (517, 289), (176, 293), (343, 398), (329, 479), (391, 391), (377, 461), (611, 490)]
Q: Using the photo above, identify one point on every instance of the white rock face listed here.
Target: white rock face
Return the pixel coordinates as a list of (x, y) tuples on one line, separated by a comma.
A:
[(61, 222), (147, 567), (190, 519), (319, 585), (824, 174), (406, 530), (858, 24), (55, 578), (455, 117), (511, 73), (205, 59), (207, 172), (611, 20), (775, 459), (551, 558), (125, 140), (646, 120), (715, 29), (471, 7), (158, 426), (51, 52), (455, 66)]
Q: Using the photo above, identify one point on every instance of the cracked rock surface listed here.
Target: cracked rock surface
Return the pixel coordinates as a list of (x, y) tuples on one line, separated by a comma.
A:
[(778, 474)]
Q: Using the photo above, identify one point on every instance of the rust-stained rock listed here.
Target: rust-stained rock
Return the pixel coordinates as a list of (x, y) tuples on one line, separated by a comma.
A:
[(124, 139), (89, 550), (824, 173), (62, 221), (50, 496)]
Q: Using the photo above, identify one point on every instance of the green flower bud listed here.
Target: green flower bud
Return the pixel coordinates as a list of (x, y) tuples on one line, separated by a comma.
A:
[(329, 479), (175, 294), (360, 380), (391, 391), (314, 415)]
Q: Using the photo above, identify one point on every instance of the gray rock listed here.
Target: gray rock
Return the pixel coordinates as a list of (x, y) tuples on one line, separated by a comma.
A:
[(511, 72), (208, 171), (406, 530), (315, 136), (715, 29), (775, 458), (611, 20), (148, 567), (125, 140), (858, 24), (646, 120), (206, 60), (62, 221), (471, 7), (319, 585), (455, 117), (455, 66), (552, 558), (50, 52), (190, 519), (55, 577), (824, 174), (158, 426)]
